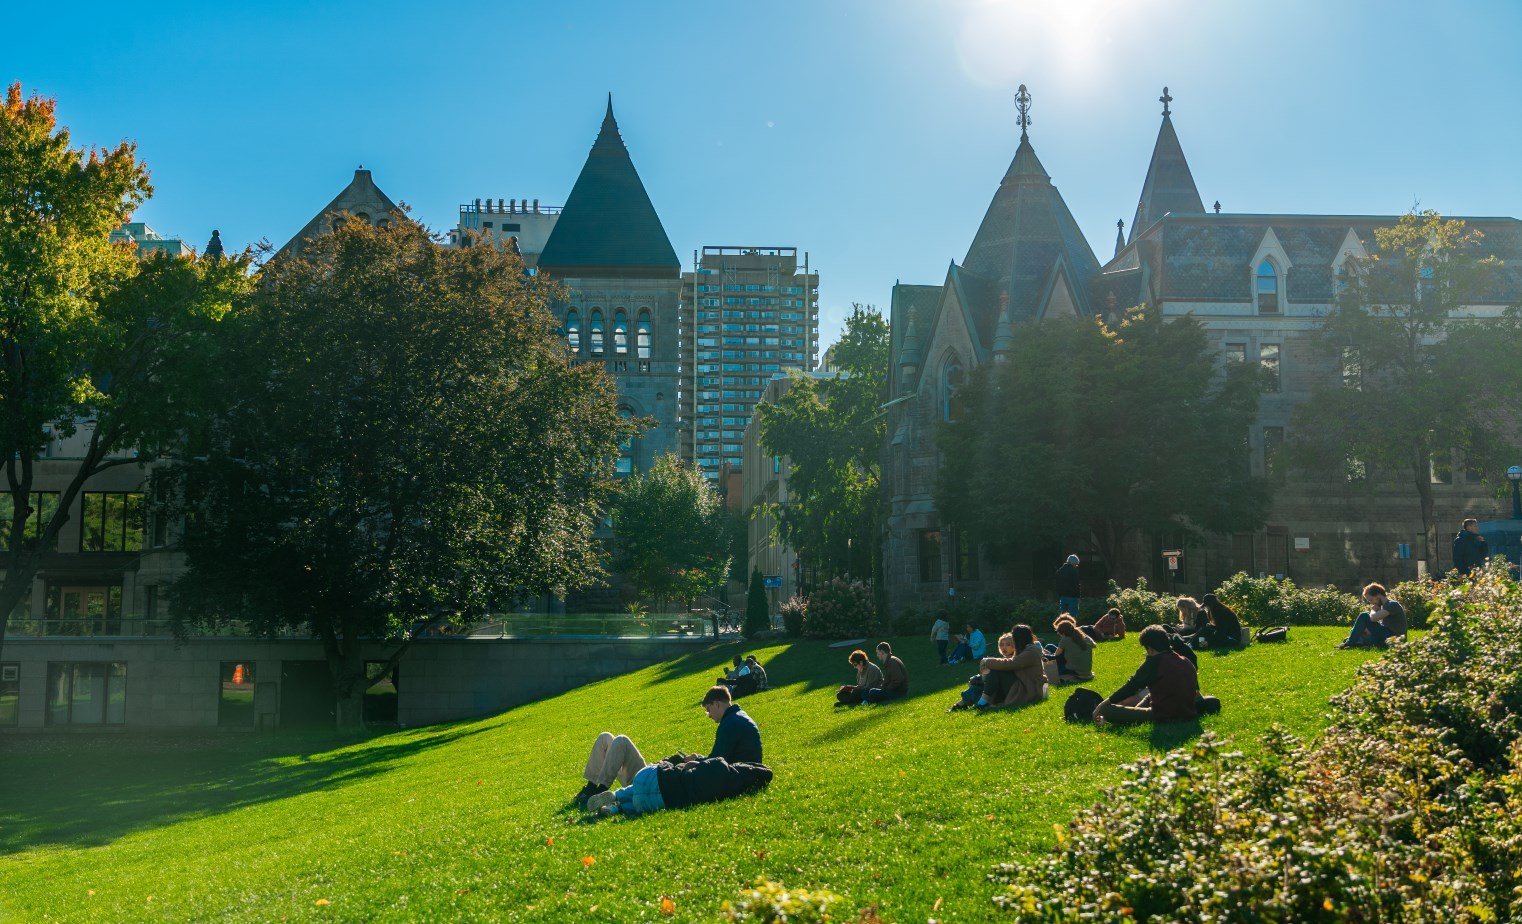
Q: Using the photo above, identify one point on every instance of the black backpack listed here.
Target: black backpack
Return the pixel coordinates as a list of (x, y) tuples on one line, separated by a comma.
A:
[(1273, 634), (1081, 705)]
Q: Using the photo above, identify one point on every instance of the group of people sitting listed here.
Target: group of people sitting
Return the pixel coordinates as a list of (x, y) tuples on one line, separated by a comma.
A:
[(747, 676), (874, 684), (1206, 623)]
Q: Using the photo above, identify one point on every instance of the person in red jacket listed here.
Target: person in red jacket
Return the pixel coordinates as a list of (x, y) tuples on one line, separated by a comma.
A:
[(1171, 684)]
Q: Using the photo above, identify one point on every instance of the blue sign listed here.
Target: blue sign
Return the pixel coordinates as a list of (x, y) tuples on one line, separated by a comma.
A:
[(771, 581), (1405, 550)]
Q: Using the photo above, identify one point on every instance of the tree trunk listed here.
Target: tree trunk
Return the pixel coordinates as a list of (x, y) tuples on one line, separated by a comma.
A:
[(1429, 528), (346, 664), (350, 711), (18, 580)]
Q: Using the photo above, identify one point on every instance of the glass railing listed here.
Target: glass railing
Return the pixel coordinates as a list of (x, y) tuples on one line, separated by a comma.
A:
[(593, 625)]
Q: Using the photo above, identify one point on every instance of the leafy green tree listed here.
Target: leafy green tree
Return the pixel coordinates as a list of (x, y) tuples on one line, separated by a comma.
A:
[(1415, 373), (92, 339), (672, 532), (1089, 434), (831, 431), (404, 445), (757, 614)]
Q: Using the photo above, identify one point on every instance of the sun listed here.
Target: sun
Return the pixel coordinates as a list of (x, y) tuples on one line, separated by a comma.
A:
[(1002, 42)]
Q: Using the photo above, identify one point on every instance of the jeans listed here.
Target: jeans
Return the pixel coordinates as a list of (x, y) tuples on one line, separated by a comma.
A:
[(641, 796), (940, 649), (879, 695), (1365, 625), (961, 653), (1068, 605)]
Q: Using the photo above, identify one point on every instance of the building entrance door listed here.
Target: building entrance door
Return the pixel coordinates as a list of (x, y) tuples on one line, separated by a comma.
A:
[(84, 609)]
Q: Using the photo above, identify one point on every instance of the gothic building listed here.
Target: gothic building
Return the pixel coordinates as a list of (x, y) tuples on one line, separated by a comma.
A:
[(361, 199), (611, 252), (1257, 282)]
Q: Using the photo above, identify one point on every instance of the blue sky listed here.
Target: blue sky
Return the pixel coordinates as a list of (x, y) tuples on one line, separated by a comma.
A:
[(871, 133)]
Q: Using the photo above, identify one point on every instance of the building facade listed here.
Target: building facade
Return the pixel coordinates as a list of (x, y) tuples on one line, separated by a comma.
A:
[(1257, 282), (748, 313), (148, 241), (526, 225)]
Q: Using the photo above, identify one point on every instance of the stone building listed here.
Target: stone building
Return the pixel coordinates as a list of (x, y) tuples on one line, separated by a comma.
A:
[(1257, 282), (623, 282), (361, 199)]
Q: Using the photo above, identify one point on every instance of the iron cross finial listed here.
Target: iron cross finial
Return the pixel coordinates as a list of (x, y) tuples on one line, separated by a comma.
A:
[(1023, 104), (1165, 99)]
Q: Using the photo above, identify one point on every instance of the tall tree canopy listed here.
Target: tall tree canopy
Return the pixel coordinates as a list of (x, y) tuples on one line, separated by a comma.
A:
[(90, 336), (673, 535), (404, 443), (1414, 374), (831, 431), (1088, 434)]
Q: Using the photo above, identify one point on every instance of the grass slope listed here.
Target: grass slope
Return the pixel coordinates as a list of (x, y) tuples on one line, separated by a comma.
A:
[(903, 805)]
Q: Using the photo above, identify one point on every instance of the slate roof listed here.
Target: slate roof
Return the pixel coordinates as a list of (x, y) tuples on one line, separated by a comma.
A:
[(1207, 257), (1169, 186), (609, 226), (361, 195), (910, 303), (1024, 233)]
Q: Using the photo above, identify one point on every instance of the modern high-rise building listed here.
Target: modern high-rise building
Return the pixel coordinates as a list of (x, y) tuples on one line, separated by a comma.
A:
[(748, 313)]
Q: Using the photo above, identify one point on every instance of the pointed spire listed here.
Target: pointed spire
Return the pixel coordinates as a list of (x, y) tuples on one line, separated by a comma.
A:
[(1004, 335), (214, 247), (909, 355), (1169, 186), (1120, 235), (1023, 106)]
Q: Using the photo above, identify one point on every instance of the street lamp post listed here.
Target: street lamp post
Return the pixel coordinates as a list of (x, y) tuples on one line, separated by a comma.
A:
[(1515, 474)]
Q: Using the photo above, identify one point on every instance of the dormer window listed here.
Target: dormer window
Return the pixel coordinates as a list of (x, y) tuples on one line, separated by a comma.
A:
[(1267, 288)]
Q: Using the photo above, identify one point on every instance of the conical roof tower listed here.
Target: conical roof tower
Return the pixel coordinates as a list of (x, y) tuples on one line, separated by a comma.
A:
[(609, 226), (1169, 186)]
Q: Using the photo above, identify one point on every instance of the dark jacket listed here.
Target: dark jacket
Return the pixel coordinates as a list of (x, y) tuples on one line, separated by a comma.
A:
[(1225, 629), (895, 676), (1469, 551), (1174, 685), (1067, 581), (737, 738), (708, 781)]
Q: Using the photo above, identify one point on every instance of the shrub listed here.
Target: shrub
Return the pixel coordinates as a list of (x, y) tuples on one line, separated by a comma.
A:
[(757, 613), (1418, 597), (840, 609), (1269, 601), (1140, 606), (773, 903), (1407, 808), (912, 621), (793, 611)]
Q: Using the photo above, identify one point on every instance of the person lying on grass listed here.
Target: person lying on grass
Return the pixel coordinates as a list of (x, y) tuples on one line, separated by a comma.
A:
[(1383, 620), (672, 786), (614, 757), (1166, 688), (1074, 651), (868, 676), (895, 677)]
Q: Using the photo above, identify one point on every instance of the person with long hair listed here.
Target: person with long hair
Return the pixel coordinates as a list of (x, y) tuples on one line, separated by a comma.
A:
[(1224, 629), (1073, 653)]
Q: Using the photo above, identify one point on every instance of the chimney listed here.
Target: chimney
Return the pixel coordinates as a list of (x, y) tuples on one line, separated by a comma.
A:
[(536, 206)]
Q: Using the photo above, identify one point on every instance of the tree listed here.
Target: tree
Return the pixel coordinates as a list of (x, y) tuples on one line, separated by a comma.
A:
[(1417, 372), (831, 432), (405, 444), (92, 339), (672, 532), (1088, 434), (757, 614)]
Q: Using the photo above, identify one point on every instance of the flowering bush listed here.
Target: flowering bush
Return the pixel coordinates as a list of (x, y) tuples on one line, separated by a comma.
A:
[(840, 609), (1407, 808), (1269, 601), (793, 611), (770, 902)]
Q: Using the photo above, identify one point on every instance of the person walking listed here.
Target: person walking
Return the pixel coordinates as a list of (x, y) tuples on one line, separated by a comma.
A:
[(1470, 550), (1068, 588), (940, 633)]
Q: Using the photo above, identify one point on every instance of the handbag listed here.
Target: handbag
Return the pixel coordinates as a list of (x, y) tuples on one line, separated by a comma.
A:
[(1273, 634)]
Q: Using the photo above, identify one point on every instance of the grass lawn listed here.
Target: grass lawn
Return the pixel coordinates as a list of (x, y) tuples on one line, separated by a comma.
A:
[(900, 805)]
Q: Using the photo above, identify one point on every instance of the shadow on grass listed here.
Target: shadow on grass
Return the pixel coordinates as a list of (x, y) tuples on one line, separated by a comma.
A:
[(70, 791)]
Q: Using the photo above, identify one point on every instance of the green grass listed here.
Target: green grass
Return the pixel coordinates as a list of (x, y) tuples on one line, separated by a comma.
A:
[(900, 805)]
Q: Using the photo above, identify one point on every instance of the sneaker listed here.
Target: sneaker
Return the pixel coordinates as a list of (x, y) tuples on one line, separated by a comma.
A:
[(959, 706), (608, 811), (598, 801), (587, 792)]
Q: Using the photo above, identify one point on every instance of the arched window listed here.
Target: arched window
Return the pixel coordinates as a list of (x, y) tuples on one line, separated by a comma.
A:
[(625, 464), (951, 390), (1268, 288), (573, 330), (362, 216), (383, 223), (642, 335), (596, 333), (620, 333)]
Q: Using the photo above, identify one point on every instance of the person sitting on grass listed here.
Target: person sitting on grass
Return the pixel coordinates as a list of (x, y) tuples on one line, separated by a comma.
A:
[(614, 757), (970, 646), (1191, 618), (1018, 676), (1074, 651), (1223, 628), (895, 678), (868, 676), (672, 786), (1111, 626), (1383, 620), (757, 673), (984, 687), (1166, 688)]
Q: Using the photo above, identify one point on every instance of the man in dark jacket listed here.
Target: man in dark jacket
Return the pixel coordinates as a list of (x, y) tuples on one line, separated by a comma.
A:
[(1068, 588), (895, 677), (1470, 550), (737, 739), (672, 786), (1170, 681)]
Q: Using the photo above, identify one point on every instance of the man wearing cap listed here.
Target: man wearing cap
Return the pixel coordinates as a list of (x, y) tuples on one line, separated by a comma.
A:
[(1068, 590)]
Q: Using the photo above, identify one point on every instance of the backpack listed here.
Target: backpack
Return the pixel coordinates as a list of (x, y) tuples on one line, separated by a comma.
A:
[(1081, 704), (1273, 634)]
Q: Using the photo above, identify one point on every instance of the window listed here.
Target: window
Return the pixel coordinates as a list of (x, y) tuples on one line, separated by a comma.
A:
[(965, 568), (951, 390), (596, 338), (158, 536), (1268, 359), (10, 693), (1442, 467), (573, 331), (87, 693), (1236, 353), (930, 555), (43, 505), (620, 333), (111, 522), (380, 696), (1268, 288), (235, 705), (642, 335), (83, 609), (625, 464)]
